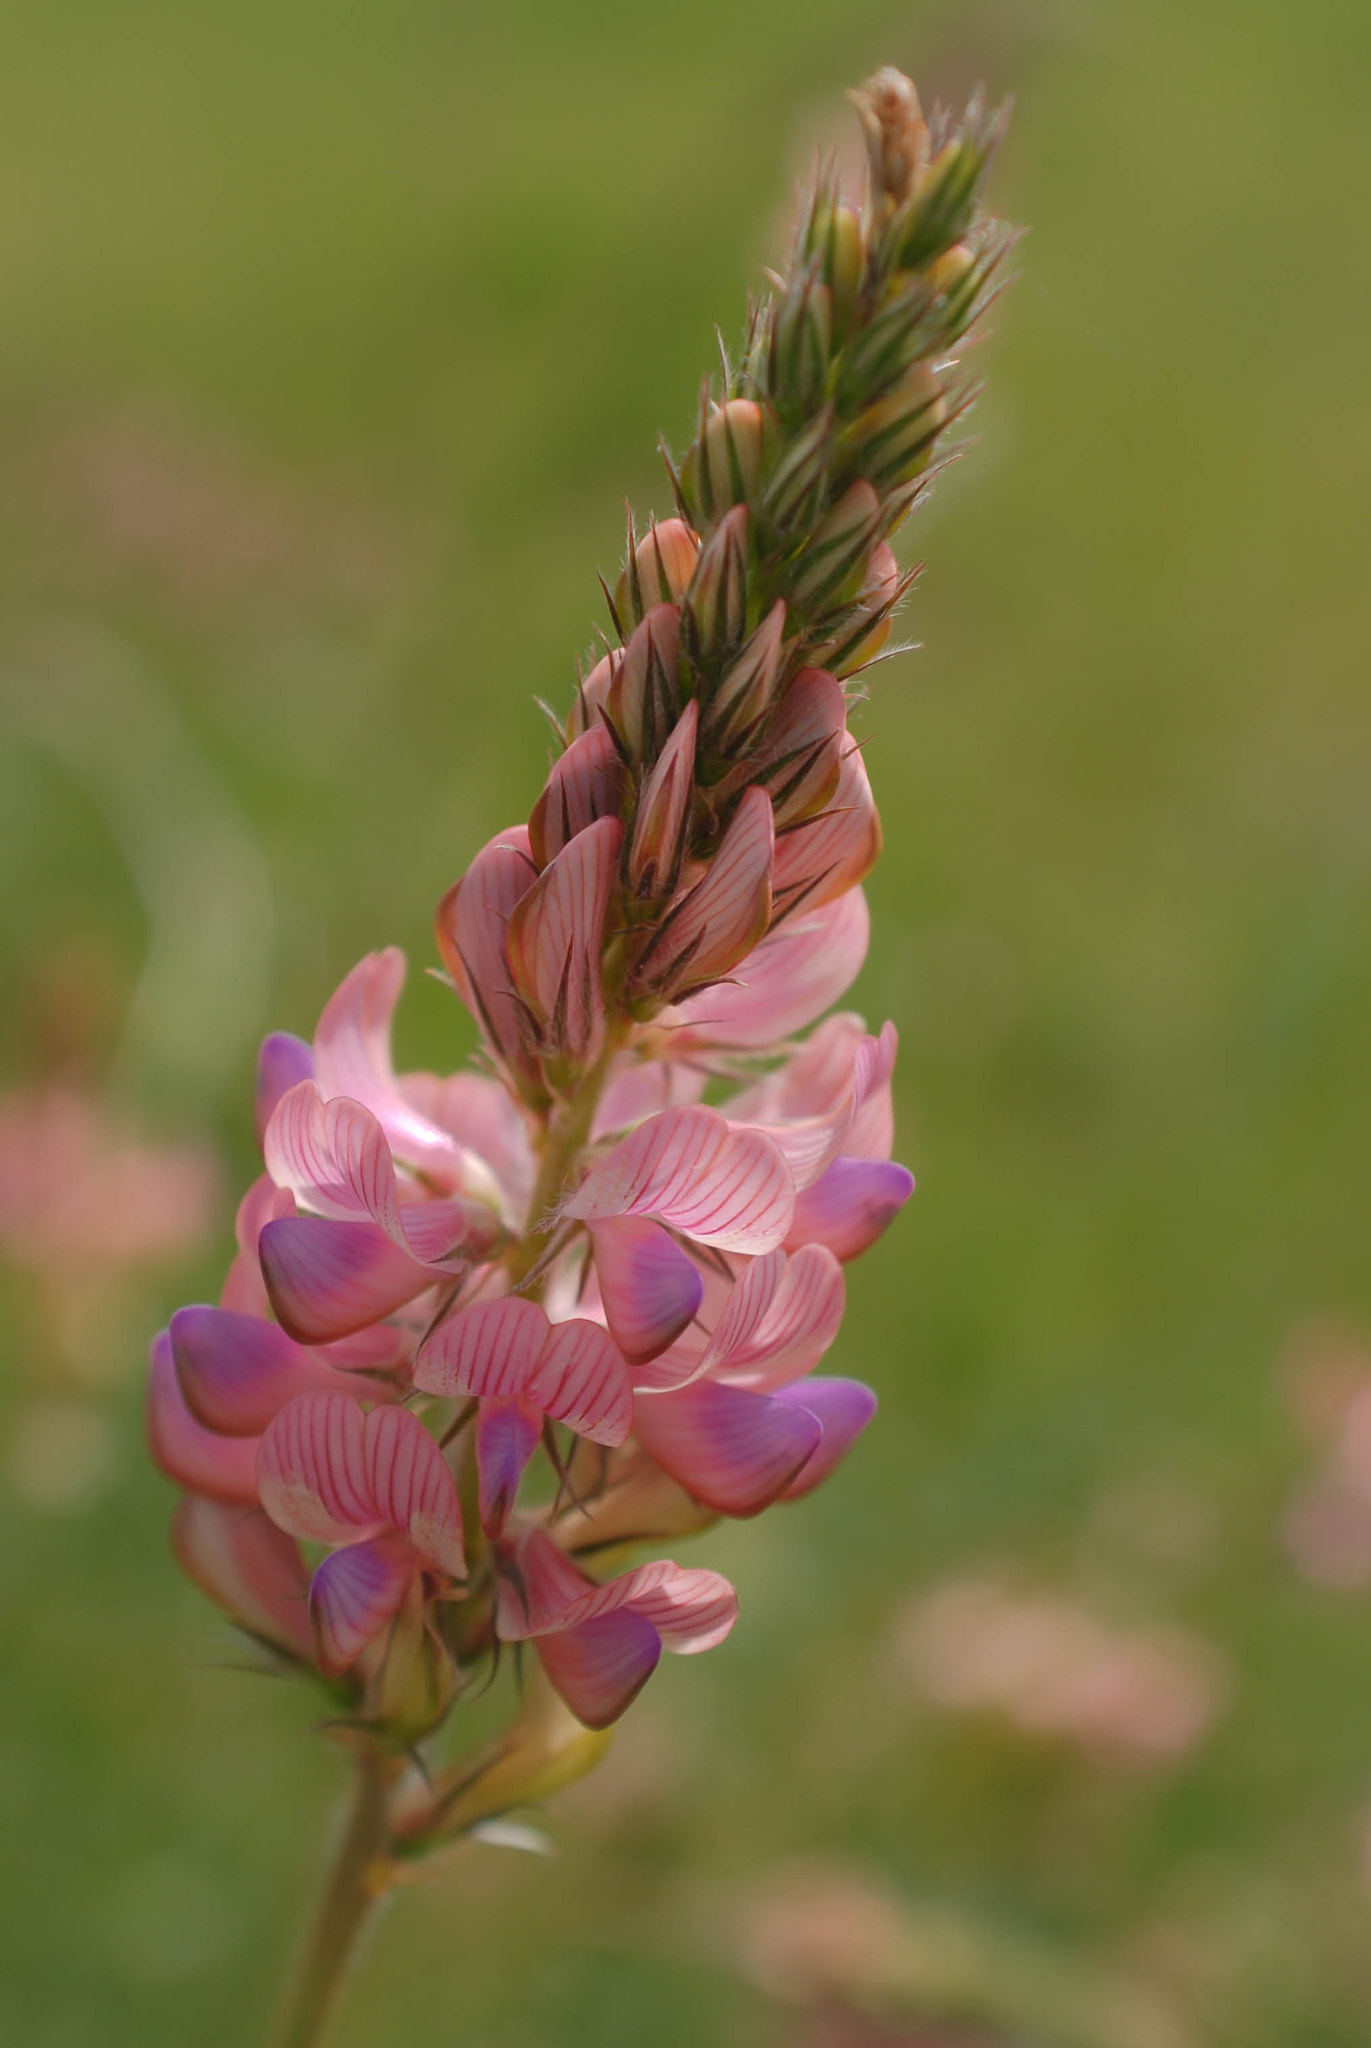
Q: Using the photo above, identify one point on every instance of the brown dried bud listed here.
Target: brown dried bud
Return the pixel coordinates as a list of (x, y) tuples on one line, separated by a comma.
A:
[(896, 136)]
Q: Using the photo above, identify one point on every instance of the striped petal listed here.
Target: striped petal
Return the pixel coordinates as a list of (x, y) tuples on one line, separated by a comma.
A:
[(471, 923), (850, 1206), (691, 1610), (283, 1061), (480, 1113), (243, 1290), (809, 1105), (601, 1666), (412, 1486), (829, 854), (649, 1288), (354, 1594), (586, 783), (312, 1471), (537, 1585), (800, 1322), (844, 1408), (333, 1157), (556, 933), (732, 1449), (582, 1381), (491, 1349), (643, 701), (247, 1566), (686, 1167), (799, 970), (352, 1058), (507, 1433), (328, 1280), (717, 923), (224, 1467)]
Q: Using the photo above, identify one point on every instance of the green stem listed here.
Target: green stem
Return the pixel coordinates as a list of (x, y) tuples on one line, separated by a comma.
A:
[(353, 1887), (568, 1133)]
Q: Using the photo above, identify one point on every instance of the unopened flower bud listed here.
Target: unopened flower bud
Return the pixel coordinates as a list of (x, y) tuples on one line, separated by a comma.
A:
[(658, 571), (717, 601), (591, 692), (726, 465), (409, 1676), (942, 207), (801, 344), (952, 269), (643, 703), (867, 628), (892, 441), (896, 137), (836, 238), (835, 559), (747, 689), (659, 837), (793, 491)]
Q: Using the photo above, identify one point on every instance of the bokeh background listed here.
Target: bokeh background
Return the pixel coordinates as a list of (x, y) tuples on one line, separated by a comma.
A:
[(331, 339)]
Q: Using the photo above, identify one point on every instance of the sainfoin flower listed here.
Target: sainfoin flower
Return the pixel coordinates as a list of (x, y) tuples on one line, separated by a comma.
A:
[(488, 1336)]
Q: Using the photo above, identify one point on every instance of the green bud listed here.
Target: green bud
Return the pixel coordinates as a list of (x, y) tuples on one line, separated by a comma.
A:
[(796, 484), (942, 207), (892, 441), (747, 689), (801, 344), (836, 238), (716, 603), (834, 560), (726, 464), (658, 571)]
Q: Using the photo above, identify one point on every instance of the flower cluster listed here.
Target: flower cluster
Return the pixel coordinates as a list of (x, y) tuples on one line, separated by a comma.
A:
[(486, 1333)]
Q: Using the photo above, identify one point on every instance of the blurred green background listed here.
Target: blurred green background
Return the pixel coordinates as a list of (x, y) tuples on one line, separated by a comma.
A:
[(331, 340)]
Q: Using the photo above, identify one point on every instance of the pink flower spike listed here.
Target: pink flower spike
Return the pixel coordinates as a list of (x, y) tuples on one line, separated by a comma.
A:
[(689, 1170), (470, 927), (659, 838), (329, 1474), (716, 924), (844, 1408), (829, 854), (247, 1566), (224, 1467), (282, 1061), (799, 970), (352, 1058), (329, 1280), (236, 1371), (586, 783), (850, 1206), (354, 1593), (732, 1449), (649, 1288), (555, 936)]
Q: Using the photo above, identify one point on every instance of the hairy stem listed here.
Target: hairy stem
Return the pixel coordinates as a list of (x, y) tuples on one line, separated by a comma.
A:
[(354, 1886)]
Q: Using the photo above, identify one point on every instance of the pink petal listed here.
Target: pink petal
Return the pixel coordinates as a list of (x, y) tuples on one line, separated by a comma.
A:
[(718, 922), (411, 1485), (639, 1088), (243, 1291), (582, 1381), (471, 924), (649, 1288), (592, 691), (556, 933), (659, 837), (352, 1057), (691, 1610), (328, 1280), (585, 784), (354, 1594), (802, 752), (844, 1408), (831, 853), (747, 1304), (537, 1584), (312, 1471), (236, 1371), (283, 1061), (481, 1114), (687, 1168), (441, 1233), (224, 1467), (600, 1667), (849, 1208), (490, 1349), (507, 1432), (809, 1104), (333, 1157), (247, 1566), (801, 968), (734, 1450), (798, 1326)]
